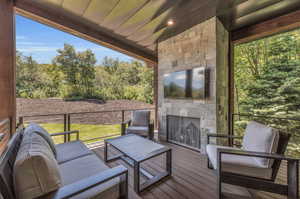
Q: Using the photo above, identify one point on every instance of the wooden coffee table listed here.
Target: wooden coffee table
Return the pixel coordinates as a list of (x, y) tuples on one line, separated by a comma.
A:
[(135, 150)]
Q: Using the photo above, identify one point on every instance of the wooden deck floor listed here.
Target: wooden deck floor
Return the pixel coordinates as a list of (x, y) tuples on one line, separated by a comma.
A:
[(190, 179)]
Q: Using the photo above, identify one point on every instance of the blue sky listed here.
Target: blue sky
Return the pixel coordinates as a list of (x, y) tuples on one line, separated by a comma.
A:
[(41, 42)]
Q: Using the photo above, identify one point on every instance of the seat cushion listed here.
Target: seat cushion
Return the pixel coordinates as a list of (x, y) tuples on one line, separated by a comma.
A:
[(86, 166), (140, 118), (71, 150), (36, 171), (238, 164), (261, 138), (139, 130), (35, 128)]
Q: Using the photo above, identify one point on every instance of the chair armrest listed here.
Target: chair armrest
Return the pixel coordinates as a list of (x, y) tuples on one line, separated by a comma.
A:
[(255, 154), (128, 122), (67, 133), (216, 135), (90, 182)]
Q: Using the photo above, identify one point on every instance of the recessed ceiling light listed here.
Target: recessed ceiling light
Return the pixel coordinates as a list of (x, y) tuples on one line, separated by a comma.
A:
[(170, 22)]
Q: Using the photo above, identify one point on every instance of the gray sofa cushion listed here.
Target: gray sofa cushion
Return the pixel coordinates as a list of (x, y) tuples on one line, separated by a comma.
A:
[(70, 151), (238, 164), (140, 118), (36, 171), (86, 166), (261, 138), (139, 130), (35, 128)]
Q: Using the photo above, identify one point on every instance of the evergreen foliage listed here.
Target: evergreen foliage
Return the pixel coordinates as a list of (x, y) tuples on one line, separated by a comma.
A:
[(267, 82)]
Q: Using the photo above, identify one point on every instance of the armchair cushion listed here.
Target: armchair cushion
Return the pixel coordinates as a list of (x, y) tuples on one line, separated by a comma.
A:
[(35, 128), (70, 151), (86, 166), (36, 171), (139, 130), (238, 164), (261, 138), (140, 118)]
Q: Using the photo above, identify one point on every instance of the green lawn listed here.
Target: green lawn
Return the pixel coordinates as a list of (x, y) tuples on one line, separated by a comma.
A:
[(86, 131)]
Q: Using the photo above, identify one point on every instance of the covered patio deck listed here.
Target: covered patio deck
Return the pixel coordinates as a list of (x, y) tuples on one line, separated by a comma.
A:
[(190, 178)]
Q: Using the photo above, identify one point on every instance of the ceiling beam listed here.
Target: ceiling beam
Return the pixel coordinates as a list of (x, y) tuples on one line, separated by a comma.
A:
[(83, 30), (267, 28)]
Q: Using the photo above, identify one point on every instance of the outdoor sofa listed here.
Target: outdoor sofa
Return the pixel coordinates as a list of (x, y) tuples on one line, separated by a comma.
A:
[(34, 167)]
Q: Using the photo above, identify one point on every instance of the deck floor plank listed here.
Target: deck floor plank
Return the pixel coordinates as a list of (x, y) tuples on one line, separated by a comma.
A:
[(190, 177)]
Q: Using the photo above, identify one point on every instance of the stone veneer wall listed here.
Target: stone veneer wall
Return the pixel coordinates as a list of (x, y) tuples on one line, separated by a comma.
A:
[(195, 47)]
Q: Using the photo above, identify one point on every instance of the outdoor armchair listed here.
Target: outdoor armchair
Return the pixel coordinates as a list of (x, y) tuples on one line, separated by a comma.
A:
[(255, 165), (140, 124)]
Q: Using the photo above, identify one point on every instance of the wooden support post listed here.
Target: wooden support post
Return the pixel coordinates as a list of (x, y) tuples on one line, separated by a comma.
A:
[(155, 91), (7, 62)]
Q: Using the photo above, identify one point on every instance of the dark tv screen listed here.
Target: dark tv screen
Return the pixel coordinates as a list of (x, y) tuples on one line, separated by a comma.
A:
[(185, 84)]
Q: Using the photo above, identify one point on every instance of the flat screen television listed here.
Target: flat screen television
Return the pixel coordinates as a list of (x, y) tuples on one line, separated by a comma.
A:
[(186, 84)]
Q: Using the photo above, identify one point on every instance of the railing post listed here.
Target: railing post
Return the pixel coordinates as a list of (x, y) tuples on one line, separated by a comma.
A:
[(123, 116), (65, 122), (21, 121), (69, 126), (123, 126)]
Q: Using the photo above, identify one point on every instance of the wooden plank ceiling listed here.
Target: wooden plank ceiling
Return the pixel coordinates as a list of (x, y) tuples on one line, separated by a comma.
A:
[(135, 26), (237, 14)]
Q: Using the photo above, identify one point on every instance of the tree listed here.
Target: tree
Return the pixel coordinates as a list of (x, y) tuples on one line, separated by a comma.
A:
[(86, 62), (78, 71), (267, 79)]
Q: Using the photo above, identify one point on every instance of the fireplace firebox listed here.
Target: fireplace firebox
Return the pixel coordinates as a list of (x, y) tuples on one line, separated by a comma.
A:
[(184, 131)]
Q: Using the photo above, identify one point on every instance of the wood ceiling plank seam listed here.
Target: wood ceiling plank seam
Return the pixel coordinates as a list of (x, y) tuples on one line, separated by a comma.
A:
[(93, 14), (182, 23), (147, 30), (90, 1), (166, 7), (111, 11), (223, 7), (253, 5), (132, 14), (164, 25), (152, 39), (260, 15), (78, 10), (128, 27)]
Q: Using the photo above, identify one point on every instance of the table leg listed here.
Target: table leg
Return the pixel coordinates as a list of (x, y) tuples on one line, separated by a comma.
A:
[(105, 151), (136, 177), (169, 162)]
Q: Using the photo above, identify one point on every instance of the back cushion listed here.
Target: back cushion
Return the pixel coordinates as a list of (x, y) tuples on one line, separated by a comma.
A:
[(261, 138), (35, 128), (36, 171), (141, 118)]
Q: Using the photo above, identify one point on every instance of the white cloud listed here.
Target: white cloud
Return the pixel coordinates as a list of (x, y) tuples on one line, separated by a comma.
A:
[(33, 49)]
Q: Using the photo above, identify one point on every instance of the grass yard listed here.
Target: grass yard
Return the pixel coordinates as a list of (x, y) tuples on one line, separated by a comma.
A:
[(86, 131)]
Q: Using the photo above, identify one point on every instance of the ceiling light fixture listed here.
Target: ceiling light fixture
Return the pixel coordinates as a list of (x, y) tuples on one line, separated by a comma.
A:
[(170, 22)]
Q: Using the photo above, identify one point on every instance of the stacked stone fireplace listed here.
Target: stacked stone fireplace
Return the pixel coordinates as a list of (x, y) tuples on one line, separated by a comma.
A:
[(187, 121)]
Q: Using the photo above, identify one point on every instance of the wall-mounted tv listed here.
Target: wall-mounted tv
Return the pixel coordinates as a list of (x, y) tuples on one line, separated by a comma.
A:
[(186, 84)]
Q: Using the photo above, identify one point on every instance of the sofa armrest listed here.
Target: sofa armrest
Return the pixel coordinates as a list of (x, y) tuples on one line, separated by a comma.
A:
[(67, 135), (216, 135), (92, 181)]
